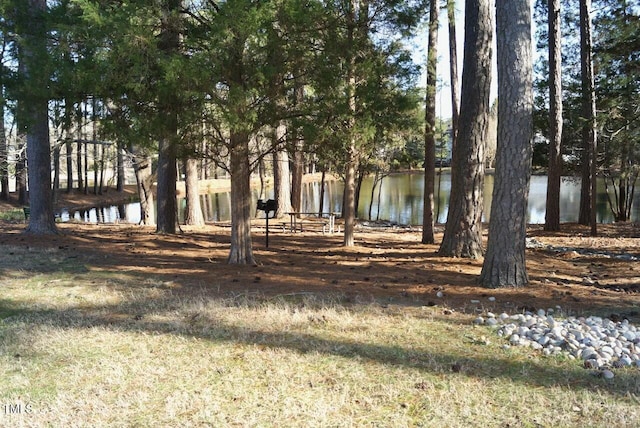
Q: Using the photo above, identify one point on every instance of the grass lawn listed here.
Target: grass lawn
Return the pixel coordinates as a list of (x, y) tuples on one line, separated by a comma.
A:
[(87, 348)]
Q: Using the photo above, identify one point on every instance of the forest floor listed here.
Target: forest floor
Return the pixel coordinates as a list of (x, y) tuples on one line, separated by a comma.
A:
[(389, 265)]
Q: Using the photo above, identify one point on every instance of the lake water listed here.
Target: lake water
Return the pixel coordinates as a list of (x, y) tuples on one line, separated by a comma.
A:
[(400, 196)]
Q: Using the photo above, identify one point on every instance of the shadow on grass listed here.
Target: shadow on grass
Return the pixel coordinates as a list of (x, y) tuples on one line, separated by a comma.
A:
[(486, 363)]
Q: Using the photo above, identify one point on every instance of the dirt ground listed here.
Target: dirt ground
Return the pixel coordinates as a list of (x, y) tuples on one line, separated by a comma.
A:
[(579, 273)]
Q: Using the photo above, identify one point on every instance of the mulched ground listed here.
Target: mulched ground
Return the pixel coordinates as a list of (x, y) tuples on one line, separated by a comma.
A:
[(389, 266)]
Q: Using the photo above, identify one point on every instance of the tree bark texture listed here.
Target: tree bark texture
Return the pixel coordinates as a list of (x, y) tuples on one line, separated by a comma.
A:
[(166, 188), (94, 138), (79, 163), (169, 42), (193, 213), (4, 158), (281, 174), (144, 180), (298, 158), (453, 72), (430, 127), (504, 263), (41, 219), (120, 168), (552, 214), (21, 171), (56, 171), (69, 160), (463, 232), (296, 178), (589, 135), (351, 166), (348, 210), (241, 245)]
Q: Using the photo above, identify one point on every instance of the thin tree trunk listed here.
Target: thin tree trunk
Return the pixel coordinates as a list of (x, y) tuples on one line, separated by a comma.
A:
[(379, 198), (193, 214), (437, 195), (373, 194), (56, 171), (120, 171), (68, 146), (79, 147), (86, 150), (4, 158), (590, 141), (298, 159), (430, 127), (348, 209), (262, 174), (351, 166), (322, 186), (281, 174), (463, 231), (205, 203), (103, 153), (142, 167), (356, 204), (624, 184), (21, 170), (453, 72), (94, 138), (296, 178), (552, 215)]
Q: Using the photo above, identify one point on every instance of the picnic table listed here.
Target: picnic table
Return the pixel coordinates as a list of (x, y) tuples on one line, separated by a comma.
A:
[(299, 220)]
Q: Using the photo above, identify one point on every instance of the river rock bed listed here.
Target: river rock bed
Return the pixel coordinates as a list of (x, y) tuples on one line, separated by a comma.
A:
[(600, 343)]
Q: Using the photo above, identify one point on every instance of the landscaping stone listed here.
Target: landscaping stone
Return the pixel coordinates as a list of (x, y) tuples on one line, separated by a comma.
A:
[(600, 343)]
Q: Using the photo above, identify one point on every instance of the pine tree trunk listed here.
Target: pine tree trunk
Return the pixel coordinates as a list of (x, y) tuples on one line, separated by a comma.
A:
[(589, 135), (241, 245), (356, 204), (193, 215), (322, 189), (430, 127), (463, 231), (4, 158), (120, 168), (348, 209), (41, 219), (56, 170), (103, 163), (166, 188), (453, 72), (86, 156), (296, 180), (552, 215), (79, 148), (21, 171), (624, 184), (298, 159), (351, 165), (144, 180), (94, 138), (69, 163), (281, 174), (168, 43), (504, 263)]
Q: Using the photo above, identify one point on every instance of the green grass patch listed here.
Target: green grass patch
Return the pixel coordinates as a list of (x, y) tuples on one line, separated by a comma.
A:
[(14, 215), (81, 349)]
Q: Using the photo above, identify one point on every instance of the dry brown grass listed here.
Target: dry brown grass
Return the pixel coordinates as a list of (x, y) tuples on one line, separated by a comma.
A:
[(105, 348)]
